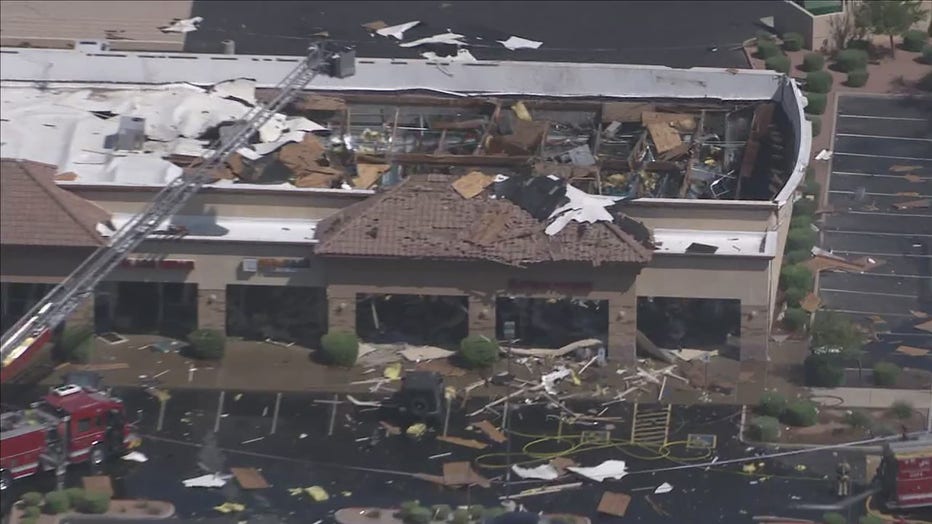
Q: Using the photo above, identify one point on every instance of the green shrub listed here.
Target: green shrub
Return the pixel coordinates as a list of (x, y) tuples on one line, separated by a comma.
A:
[(75, 344), (94, 502), (819, 82), (833, 330), (816, 125), (764, 429), (901, 409), (792, 41), (800, 238), (817, 103), (882, 430), (925, 83), (31, 512), (778, 63), (340, 348), (796, 318), (851, 59), (834, 518), (797, 276), (793, 297), (885, 373), (813, 62), (823, 370), (460, 516), (76, 496), (28, 520), (441, 511), (926, 55), (475, 511), (764, 36), (767, 49), (419, 515), (478, 351), (812, 189), (56, 502), (859, 44), (207, 344), (857, 78), (771, 404), (800, 221), (914, 40), (31, 498), (800, 413), (408, 506), (858, 419), (795, 257), (491, 513), (871, 519), (806, 206)]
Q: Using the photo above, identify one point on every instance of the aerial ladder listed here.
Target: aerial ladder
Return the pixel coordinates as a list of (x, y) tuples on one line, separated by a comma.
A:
[(23, 340)]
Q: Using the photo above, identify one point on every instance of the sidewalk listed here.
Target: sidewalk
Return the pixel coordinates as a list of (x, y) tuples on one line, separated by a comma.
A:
[(871, 397)]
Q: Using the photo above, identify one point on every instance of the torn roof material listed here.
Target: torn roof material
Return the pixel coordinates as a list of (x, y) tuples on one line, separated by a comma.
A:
[(425, 217)]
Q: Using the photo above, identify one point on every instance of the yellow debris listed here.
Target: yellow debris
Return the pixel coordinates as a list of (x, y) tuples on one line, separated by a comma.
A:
[(449, 392), (575, 378), (392, 371), (800, 467), (229, 507), (317, 493), (521, 111), (416, 430), (347, 493), (749, 468), (295, 491)]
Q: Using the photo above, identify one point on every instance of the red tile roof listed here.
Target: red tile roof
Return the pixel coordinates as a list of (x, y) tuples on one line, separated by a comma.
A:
[(34, 211), (424, 217)]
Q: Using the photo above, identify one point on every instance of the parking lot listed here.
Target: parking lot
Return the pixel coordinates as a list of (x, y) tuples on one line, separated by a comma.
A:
[(882, 159)]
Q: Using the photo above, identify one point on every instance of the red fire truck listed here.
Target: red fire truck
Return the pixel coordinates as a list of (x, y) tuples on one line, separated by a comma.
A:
[(905, 473), (68, 426)]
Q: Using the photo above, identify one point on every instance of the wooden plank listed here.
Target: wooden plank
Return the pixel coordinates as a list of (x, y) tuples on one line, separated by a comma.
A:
[(615, 504), (249, 478), (665, 137), (625, 112), (491, 431), (369, 174), (471, 184)]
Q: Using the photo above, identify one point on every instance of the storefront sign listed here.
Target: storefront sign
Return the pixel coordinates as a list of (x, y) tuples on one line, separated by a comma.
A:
[(562, 288), (284, 265), (153, 263)]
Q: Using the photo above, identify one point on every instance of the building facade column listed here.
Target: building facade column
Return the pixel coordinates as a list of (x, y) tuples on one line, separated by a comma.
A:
[(622, 328), (754, 333), (83, 315), (212, 309), (341, 309), (482, 315)]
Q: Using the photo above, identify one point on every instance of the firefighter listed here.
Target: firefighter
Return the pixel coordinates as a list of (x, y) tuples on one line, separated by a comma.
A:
[(843, 479)]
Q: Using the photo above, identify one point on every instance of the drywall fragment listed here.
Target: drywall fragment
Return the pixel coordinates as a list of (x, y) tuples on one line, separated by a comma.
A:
[(516, 42), (542, 472), (610, 469), (395, 31)]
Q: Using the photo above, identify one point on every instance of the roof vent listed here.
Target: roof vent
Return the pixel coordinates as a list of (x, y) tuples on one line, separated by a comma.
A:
[(64, 391), (132, 133)]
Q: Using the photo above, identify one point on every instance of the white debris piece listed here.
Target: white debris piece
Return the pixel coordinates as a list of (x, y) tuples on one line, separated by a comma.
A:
[(463, 55), (397, 31), (299, 123), (825, 154), (419, 353), (212, 480), (185, 25), (271, 147), (582, 207), (240, 88), (516, 42), (610, 469), (663, 488), (542, 472), (135, 456), (550, 379), (442, 38)]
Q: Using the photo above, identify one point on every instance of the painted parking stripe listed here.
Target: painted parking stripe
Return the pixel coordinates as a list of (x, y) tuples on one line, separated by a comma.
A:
[(877, 213), (877, 233), (881, 137), (851, 173), (896, 275), (907, 119), (922, 159), (891, 255), (842, 192), (868, 313), (895, 295)]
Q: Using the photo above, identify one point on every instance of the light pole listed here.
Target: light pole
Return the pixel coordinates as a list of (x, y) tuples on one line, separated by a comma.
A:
[(509, 331)]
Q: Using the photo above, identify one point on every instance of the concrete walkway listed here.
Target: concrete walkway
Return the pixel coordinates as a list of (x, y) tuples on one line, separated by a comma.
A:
[(871, 397)]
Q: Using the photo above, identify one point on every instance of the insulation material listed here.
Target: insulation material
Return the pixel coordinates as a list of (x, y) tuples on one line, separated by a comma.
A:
[(582, 207), (516, 42), (443, 38), (395, 31), (542, 472)]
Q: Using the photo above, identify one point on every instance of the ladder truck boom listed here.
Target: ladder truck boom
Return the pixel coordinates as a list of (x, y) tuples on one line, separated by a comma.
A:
[(34, 329)]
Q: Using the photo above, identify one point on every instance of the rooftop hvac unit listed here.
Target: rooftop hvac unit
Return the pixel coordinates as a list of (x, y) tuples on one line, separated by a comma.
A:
[(132, 133)]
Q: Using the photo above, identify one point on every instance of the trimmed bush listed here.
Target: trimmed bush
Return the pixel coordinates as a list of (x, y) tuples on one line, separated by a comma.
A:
[(857, 78), (823, 370), (858, 419), (797, 276), (926, 55), (885, 373), (32, 498), (800, 221), (792, 41), (851, 59), (813, 62), (441, 511), (460, 516), (860, 45), (812, 189), (816, 122), (800, 238), (419, 515), (833, 330), (764, 36), (901, 409), (478, 351), (771, 404), (76, 496), (764, 429), (475, 511), (207, 344), (32, 512), (767, 49), (883, 430), (794, 296), (75, 345), (29, 520), (925, 83), (339, 348), (800, 413), (796, 257), (834, 518), (56, 502), (795, 318), (491, 513), (914, 40), (871, 519), (806, 206), (819, 82), (817, 103), (778, 63), (95, 503), (408, 506)]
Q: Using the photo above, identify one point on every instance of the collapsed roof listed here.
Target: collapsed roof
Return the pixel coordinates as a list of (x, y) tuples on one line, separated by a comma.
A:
[(516, 221)]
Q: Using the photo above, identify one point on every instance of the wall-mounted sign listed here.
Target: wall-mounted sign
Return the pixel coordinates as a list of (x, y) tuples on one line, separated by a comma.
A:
[(561, 288), (284, 265), (154, 263), (250, 265)]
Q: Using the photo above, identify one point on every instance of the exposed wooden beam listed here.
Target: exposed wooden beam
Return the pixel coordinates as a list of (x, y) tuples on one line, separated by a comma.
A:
[(488, 129)]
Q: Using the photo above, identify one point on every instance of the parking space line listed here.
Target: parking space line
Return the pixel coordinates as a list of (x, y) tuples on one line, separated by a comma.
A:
[(852, 312), (840, 192), (907, 119), (867, 293), (888, 275), (837, 153), (882, 137), (877, 213), (898, 334), (850, 173), (878, 233), (904, 255)]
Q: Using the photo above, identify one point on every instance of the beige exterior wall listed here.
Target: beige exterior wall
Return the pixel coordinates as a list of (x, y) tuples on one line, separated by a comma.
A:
[(708, 215)]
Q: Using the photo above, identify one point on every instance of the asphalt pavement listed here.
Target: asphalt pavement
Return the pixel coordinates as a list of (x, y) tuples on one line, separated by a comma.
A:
[(882, 156), (356, 473), (672, 33)]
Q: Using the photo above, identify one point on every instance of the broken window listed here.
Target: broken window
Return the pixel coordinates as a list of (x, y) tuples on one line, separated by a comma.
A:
[(281, 313), (695, 323), (18, 298), (414, 319), (552, 323), (167, 308)]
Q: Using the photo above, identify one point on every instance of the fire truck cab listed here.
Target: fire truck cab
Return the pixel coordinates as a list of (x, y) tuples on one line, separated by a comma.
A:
[(69, 425), (905, 473)]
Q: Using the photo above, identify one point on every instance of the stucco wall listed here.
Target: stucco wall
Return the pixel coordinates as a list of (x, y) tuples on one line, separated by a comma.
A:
[(706, 277)]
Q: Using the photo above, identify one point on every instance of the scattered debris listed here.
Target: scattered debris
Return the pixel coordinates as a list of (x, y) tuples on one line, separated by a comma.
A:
[(904, 169), (441, 366), (390, 429), (610, 469), (925, 326), (375, 25), (471, 184), (462, 55), (544, 490), (250, 441), (811, 302), (230, 507), (419, 353), (416, 430), (182, 25), (542, 472), (317, 493), (918, 314), (915, 179), (112, 338), (467, 442), (550, 379), (912, 351), (924, 203), (392, 371), (212, 480), (516, 42), (663, 488), (249, 478), (440, 455), (615, 504), (363, 403), (135, 456), (824, 155), (462, 474), (491, 431), (396, 31), (442, 38)]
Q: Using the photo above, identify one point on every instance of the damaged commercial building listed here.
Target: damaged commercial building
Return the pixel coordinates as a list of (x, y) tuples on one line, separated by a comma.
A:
[(424, 200)]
